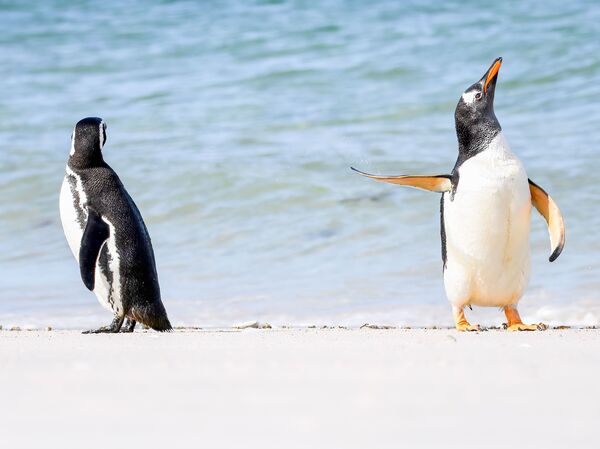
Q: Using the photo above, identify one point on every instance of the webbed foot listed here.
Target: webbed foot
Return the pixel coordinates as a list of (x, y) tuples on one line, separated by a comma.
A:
[(515, 323), (461, 323), (129, 326), (112, 328), (525, 327)]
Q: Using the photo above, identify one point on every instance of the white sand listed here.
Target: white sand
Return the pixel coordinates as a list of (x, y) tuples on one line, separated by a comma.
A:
[(300, 388)]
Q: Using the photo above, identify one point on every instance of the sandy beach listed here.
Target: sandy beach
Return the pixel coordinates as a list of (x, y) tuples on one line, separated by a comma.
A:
[(300, 388)]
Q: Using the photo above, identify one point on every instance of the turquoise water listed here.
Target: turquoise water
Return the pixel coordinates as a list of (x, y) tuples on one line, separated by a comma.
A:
[(233, 125)]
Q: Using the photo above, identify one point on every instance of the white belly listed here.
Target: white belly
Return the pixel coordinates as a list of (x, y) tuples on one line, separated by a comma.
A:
[(487, 230), (73, 229)]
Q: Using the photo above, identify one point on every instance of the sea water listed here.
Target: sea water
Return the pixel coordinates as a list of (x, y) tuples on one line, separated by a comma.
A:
[(233, 126)]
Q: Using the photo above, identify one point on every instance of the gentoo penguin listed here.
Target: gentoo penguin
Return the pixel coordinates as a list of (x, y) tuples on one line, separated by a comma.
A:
[(485, 212), (107, 235)]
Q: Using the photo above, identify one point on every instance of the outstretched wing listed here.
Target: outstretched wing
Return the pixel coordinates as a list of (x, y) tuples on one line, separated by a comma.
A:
[(95, 234), (435, 183), (551, 213)]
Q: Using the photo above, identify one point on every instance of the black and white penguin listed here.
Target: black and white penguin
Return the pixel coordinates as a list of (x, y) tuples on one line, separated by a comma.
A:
[(485, 212), (107, 235)]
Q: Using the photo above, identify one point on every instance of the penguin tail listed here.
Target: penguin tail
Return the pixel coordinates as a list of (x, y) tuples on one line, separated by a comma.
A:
[(152, 315)]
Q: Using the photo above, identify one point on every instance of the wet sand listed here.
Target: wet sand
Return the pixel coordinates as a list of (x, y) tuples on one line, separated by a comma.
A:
[(300, 388)]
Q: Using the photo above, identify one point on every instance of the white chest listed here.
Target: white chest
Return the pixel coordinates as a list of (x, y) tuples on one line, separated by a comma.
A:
[(492, 190), (487, 227)]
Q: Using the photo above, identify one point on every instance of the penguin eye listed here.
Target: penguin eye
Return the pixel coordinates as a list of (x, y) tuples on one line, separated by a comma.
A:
[(478, 96)]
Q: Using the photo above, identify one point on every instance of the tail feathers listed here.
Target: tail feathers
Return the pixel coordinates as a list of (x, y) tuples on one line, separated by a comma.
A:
[(152, 315)]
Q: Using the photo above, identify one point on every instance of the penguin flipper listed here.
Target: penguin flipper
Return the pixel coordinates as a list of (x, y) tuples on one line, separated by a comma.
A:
[(434, 183), (95, 234), (551, 213)]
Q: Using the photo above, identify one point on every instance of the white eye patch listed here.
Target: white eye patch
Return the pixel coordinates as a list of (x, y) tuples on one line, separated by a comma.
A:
[(469, 97)]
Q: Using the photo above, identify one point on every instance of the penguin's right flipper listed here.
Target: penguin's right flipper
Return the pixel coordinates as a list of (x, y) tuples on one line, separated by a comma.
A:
[(434, 183), (95, 234), (551, 213)]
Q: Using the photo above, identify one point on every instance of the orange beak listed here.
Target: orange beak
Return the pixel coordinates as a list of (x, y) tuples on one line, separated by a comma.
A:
[(492, 73)]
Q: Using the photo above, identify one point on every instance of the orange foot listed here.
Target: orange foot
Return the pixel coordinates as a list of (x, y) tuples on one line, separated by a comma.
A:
[(466, 327), (525, 327), (515, 323), (461, 323)]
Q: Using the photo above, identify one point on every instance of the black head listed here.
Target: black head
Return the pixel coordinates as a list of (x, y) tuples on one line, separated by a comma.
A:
[(87, 141), (476, 123)]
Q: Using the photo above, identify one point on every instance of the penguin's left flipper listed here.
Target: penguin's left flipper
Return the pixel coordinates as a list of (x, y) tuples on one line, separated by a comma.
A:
[(434, 183), (95, 234), (551, 213)]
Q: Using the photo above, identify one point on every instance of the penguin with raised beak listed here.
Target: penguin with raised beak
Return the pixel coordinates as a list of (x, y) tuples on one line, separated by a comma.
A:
[(485, 212)]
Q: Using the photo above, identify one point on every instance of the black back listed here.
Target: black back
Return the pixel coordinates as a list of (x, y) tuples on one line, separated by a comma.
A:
[(107, 197)]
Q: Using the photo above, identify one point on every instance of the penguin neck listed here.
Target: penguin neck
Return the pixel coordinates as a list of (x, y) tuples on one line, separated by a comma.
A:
[(473, 138), (77, 162)]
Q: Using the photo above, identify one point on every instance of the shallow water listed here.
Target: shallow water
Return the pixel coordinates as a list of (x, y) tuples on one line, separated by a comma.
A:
[(233, 126)]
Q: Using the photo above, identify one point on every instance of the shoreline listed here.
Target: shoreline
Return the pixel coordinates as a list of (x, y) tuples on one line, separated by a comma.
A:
[(193, 315), (269, 327)]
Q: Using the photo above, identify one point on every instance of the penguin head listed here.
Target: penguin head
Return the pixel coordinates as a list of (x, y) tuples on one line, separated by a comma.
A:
[(474, 115), (87, 141)]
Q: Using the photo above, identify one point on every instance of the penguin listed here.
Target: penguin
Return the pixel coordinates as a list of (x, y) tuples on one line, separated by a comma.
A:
[(107, 235), (485, 212)]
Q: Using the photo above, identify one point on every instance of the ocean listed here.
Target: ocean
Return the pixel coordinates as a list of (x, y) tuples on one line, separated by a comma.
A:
[(233, 126)]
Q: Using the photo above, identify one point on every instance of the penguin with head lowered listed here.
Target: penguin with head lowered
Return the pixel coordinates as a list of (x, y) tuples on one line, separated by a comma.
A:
[(485, 212), (107, 235)]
